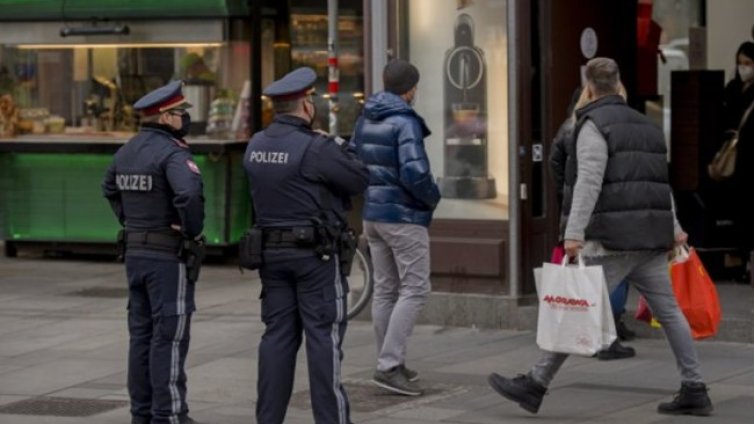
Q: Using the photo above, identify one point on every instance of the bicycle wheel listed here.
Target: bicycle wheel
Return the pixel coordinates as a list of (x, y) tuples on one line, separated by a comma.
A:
[(360, 282)]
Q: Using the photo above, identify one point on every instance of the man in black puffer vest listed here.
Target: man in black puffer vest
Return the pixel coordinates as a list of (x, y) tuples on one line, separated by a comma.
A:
[(618, 212)]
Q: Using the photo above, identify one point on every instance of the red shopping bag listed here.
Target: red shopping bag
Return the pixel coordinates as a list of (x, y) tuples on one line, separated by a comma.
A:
[(557, 254), (642, 311), (696, 294)]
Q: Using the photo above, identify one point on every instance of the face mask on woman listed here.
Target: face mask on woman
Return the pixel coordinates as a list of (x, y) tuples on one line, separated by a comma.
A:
[(746, 72)]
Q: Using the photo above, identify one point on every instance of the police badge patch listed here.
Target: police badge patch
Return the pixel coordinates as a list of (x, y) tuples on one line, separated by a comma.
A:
[(192, 166)]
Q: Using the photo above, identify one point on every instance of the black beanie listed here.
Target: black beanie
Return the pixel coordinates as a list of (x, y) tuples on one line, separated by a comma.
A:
[(399, 76)]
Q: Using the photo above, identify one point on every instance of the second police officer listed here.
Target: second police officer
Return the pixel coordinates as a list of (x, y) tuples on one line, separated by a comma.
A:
[(300, 182), (155, 190)]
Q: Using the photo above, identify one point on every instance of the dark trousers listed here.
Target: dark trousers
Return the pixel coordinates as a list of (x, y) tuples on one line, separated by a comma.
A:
[(302, 295), (160, 304)]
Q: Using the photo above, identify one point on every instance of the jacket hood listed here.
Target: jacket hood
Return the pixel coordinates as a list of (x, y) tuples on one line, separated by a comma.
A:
[(384, 104)]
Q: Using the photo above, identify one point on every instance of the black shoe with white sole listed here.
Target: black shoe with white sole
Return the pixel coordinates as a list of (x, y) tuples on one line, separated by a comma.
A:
[(396, 381)]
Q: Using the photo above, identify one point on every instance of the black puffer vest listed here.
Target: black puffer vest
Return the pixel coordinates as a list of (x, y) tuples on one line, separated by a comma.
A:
[(633, 211)]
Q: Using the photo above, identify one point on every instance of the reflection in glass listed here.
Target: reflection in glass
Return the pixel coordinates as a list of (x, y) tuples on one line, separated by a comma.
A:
[(465, 174)]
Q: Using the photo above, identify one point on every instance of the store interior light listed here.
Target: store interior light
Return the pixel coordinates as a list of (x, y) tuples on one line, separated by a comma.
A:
[(95, 30), (115, 45)]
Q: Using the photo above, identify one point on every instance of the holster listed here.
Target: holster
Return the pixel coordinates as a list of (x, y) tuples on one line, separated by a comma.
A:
[(192, 252), (250, 249), (328, 239), (347, 244), (120, 246)]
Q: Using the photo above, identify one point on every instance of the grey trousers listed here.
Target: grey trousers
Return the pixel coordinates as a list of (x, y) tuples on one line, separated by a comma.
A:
[(400, 258), (648, 272)]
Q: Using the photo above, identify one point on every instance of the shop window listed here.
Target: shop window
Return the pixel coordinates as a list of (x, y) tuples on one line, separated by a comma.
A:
[(679, 21), (86, 85), (460, 49), (309, 48)]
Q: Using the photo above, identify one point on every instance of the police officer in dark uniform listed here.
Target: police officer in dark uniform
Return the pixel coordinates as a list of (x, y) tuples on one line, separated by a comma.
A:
[(155, 190), (300, 183)]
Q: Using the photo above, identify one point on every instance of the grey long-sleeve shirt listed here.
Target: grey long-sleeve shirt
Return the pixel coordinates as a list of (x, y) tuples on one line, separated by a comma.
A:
[(592, 155)]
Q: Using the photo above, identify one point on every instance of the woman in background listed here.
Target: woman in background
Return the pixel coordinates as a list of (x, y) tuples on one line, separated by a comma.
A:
[(739, 100)]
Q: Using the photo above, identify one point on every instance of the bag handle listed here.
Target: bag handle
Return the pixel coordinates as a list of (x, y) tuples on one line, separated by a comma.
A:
[(745, 117), (681, 253), (579, 260)]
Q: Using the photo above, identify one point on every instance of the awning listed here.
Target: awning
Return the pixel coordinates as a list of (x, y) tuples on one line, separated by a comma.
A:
[(59, 10)]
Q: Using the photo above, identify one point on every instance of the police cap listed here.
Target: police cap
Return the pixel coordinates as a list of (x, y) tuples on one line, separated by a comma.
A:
[(295, 84), (165, 98)]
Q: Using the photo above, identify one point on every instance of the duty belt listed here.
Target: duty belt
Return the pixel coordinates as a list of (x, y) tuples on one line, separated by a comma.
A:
[(289, 237), (153, 240)]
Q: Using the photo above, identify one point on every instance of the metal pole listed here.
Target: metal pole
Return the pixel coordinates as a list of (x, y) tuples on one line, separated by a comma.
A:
[(379, 13), (255, 64), (514, 218), (332, 63)]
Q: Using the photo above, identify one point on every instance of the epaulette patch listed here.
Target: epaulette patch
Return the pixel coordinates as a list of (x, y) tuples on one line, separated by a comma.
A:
[(193, 167)]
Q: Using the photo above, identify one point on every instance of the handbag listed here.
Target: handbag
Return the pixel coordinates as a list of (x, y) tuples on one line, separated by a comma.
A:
[(723, 165), (696, 294), (574, 308)]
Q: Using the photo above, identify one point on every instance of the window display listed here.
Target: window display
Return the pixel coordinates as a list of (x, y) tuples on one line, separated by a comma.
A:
[(460, 50), (87, 85), (309, 48)]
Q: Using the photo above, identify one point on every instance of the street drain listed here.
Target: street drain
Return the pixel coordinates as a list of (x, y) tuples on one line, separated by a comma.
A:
[(61, 407), (103, 292)]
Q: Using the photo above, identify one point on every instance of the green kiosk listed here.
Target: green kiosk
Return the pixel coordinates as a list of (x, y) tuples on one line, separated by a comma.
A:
[(69, 73)]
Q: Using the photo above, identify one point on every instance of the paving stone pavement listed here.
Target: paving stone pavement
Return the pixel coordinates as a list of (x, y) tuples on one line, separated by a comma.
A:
[(63, 335)]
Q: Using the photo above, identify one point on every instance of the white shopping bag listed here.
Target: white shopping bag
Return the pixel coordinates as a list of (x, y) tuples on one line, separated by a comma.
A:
[(574, 308)]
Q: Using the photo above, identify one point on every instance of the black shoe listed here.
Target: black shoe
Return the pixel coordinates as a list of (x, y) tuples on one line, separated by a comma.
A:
[(616, 351), (410, 374), (522, 390), (624, 334), (189, 420), (396, 381), (691, 400), (140, 420)]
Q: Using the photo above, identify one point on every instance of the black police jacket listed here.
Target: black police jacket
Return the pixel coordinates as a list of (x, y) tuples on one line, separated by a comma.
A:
[(296, 173), (153, 184)]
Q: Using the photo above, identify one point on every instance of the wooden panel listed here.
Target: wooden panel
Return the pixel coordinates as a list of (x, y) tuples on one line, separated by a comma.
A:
[(469, 256)]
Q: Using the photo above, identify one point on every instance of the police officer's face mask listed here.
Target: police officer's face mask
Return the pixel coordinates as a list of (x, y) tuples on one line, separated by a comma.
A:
[(185, 124)]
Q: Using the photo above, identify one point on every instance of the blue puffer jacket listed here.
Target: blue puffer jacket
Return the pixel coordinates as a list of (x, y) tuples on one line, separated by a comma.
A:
[(389, 138)]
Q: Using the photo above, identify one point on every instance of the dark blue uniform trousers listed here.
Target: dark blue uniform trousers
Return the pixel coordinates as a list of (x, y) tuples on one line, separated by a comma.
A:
[(160, 304), (302, 295)]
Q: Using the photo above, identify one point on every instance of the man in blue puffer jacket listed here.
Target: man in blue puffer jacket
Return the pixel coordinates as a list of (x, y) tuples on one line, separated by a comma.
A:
[(400, 200)]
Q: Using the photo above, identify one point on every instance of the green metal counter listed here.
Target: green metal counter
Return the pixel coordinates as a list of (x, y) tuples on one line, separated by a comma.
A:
[(50, 190)]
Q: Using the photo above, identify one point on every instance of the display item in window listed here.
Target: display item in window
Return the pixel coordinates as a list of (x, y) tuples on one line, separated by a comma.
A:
[(194, 69), (466, 172), (220, 122), (8, 116)]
